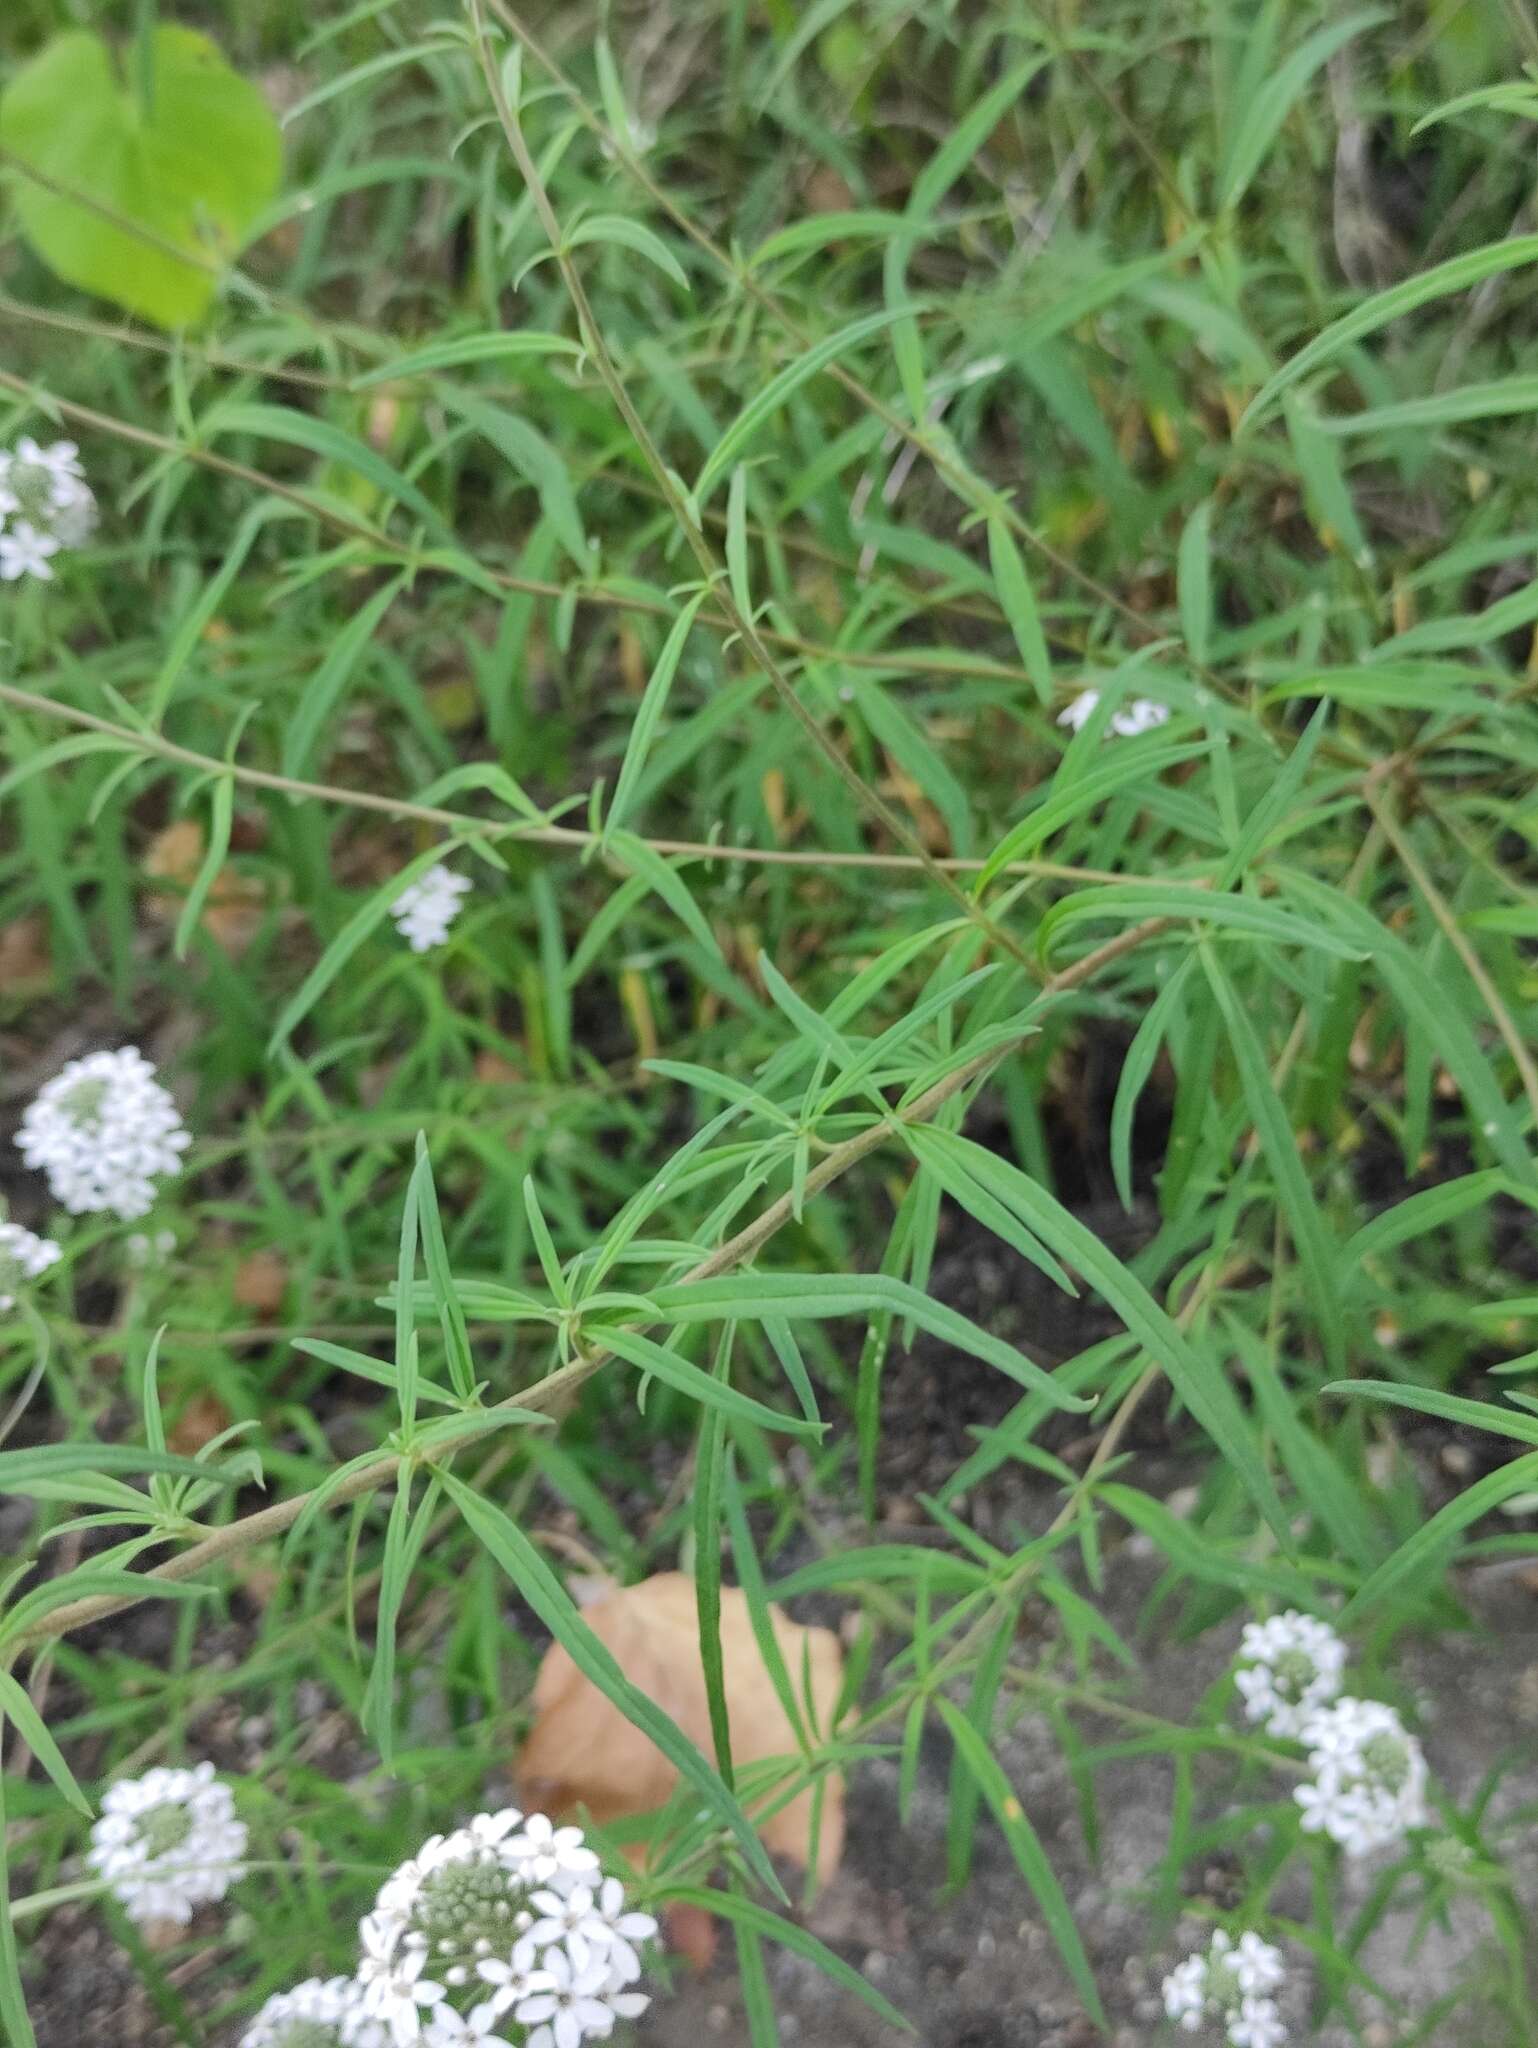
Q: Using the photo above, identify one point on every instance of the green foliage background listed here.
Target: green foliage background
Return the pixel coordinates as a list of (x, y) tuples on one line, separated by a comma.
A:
[(703, 538)]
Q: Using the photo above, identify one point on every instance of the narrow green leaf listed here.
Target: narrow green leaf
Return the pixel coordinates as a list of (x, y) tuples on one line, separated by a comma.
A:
[(1294, 1191), (1013, 584), (318, 698), (13, 2003), (1135, 1070), (1455, 275), (1498, 399), (221, 819), (440, 1277), (1073, 791), (17, 1708), (532, 456), (622, 233), (1193, 581), (781, 387), (544, 1592), (320, 437), (1196, 1553), (1419, 1214), (708, 1524), (1425, 1556), (467, 348), (818, 1295), (1196, 1377), (709, 1390), (1030, 1858), (1450, 1407), (1261, 121), (747, 1913), (53, 1461), (1129, 902), (649, 712)]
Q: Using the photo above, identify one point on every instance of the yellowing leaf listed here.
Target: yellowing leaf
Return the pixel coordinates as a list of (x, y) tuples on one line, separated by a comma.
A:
[(192, 169), (582, 1752)]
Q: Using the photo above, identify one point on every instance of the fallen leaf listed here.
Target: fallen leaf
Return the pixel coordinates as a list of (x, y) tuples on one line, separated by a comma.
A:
[(691, 1933), (495, 1071), (259, 1283), (25, 961), (582, 1752), (233, 909), (198, 1424)]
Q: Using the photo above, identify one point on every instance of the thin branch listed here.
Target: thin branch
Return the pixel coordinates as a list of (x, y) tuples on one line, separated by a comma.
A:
[(558, 1386), (155, 746), (595, 595)]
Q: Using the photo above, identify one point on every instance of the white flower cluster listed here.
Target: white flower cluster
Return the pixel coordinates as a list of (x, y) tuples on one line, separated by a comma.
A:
[(1369, 1772), (1369, 1783), (1229, 1983), (167, 1842), (426, 908), (1289, 1667), (504, 1932), (103, 1130), (319, 2013), (1141, 715), (23, 1255), (45, 505)]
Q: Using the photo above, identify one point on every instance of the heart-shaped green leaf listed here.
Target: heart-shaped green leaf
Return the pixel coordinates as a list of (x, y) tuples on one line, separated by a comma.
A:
[(191, 169)]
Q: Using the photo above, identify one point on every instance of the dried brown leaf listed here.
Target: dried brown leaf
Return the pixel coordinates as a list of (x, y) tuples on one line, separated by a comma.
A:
[(233, 909), (582, 1752), (259, 1283), (26, 963)]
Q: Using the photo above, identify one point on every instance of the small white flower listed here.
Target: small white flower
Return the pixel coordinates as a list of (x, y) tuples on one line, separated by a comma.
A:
[(320, 2013), (1078, 713), (574, 2008), (1290, 1666), (513, 1978), (623, 2003), (24, 551), (449, 2029), (390, 1976), (168, 1842), (1256, 2024), (569, 1922), (1256, 1964), (1185, 1992), (425, 908), (400, 1891), (1141, 715), (546, 1852), (23, 1255), (104, 1130), (490, 1830), (623, 1929)]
